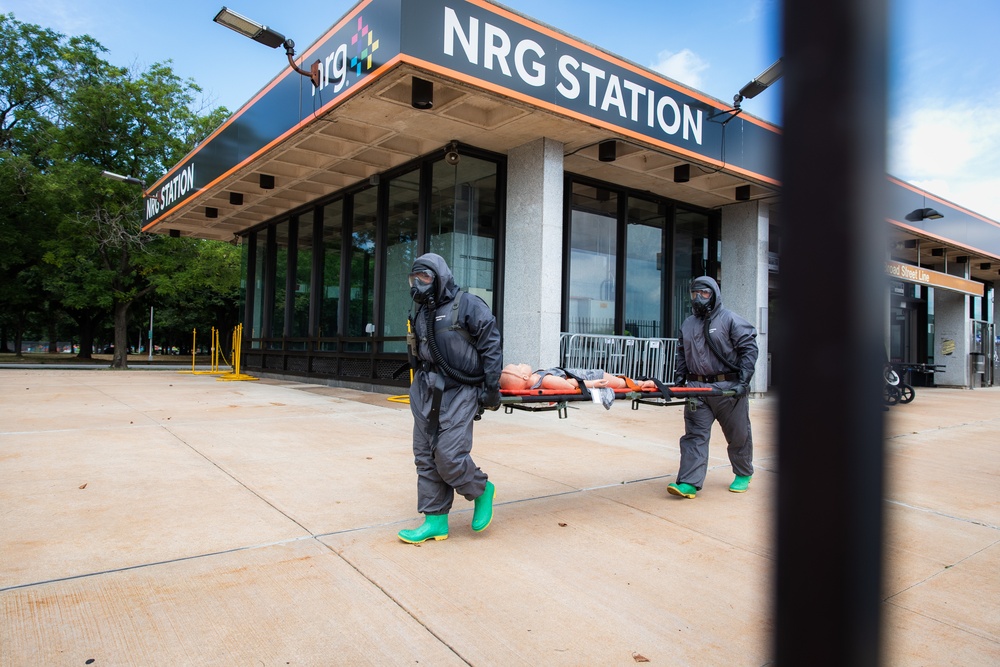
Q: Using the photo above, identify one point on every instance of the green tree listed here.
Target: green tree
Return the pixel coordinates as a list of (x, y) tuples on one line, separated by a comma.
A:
[(67, 236), (31, 76), (197, 287)]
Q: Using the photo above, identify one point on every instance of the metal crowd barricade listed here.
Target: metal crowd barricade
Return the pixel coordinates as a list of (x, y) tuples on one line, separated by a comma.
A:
[(620, 355)]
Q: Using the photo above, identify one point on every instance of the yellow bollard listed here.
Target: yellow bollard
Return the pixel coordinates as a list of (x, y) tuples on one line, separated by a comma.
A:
[(214, 365), (404, 398), (236, 375)]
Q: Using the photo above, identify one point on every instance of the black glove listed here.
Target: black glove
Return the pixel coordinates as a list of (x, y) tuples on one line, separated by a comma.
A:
[(490, 398), (743, 388)]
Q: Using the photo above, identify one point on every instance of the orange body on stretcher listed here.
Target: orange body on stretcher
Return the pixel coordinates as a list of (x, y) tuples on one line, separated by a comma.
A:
[(520, 378)]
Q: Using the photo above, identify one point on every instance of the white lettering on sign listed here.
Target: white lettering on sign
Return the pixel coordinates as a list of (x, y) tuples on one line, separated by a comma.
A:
[(336, 66), (334, 70), (907, 272), (606, 92), (171, 191)]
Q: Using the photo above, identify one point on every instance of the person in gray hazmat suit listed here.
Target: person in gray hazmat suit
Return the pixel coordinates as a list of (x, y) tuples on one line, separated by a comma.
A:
[(716, 348), (455, 351)]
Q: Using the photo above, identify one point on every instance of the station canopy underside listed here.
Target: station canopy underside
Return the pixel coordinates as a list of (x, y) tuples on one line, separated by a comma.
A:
[(378, 130)]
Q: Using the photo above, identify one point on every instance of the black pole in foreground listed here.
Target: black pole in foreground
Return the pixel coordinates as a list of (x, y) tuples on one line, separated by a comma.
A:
[(832, 319)]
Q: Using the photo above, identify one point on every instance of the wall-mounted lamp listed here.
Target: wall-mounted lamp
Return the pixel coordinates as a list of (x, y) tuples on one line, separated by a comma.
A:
[(236, 198), (910, 243), (175, 233), (421, 94), (451, 155), (756, 86), (607, 151), (211, 212), (985, 266), (268, 37), (962, 259), (923, 214), (743, 193), (937, 252), (682, 173), (124, 179), (266, 182)]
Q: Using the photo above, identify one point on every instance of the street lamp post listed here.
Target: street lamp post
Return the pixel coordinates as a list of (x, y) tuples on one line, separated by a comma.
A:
[(132, 180), (124, 179), (259, 32)]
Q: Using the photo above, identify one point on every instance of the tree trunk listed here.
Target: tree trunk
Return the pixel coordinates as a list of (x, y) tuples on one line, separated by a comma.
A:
[(3, 339), (85, 323), (120, 358), (18, 339), (53, 343)]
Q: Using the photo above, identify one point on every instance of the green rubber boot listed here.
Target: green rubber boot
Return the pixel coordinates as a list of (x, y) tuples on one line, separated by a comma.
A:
[(435, 526), (740, 484), (483, 514), (683, 490)]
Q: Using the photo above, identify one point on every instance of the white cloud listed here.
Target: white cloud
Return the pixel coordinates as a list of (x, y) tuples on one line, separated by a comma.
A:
[(951, 149), (683, 66)]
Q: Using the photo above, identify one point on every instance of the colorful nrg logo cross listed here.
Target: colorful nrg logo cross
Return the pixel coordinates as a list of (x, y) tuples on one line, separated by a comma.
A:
[(363, 40)]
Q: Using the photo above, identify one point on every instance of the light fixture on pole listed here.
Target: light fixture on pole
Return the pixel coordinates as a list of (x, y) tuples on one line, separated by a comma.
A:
[(124, 179), (758, 85), (923, 214), (259, 32)]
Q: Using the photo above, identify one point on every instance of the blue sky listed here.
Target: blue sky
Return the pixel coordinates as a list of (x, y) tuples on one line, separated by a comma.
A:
[(943, 129)]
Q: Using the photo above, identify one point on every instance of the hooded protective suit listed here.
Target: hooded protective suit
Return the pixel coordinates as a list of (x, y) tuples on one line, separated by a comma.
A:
[(443, 407), (717, 349)]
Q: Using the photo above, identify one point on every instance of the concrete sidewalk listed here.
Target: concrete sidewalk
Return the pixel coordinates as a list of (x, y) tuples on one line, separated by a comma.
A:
[(168, 518)]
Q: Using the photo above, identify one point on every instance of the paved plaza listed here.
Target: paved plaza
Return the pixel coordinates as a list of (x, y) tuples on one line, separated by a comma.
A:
[(158, 517)]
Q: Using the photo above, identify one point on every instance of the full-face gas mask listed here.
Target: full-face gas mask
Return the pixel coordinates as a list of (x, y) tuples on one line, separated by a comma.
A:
[(422, 284), (702, 299)]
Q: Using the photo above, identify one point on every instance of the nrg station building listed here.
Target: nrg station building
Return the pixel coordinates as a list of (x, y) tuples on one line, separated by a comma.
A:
[(574, 191)]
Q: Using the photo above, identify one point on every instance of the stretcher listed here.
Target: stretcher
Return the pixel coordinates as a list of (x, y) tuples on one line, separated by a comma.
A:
[(542, 400)]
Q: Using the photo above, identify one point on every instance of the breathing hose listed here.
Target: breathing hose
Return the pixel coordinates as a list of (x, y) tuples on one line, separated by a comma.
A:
[(453, 373)]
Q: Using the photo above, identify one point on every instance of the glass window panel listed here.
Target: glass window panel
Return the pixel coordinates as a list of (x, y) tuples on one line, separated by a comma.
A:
[(303, 278), (401, 250), (690, 259), (329, 302), (256, 325), (644, 269), (462, 222), (593, 260), (362, 264), (280, 273)]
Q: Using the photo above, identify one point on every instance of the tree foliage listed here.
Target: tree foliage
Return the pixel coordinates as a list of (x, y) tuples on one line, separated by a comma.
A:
[(71, 240)]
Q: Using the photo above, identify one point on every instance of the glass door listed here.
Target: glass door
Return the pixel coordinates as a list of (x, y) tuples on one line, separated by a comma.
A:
[(593, 260)]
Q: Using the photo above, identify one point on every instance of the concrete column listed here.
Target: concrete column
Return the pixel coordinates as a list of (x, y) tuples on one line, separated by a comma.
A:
[(952, 331), (533, 253), (744, 273)]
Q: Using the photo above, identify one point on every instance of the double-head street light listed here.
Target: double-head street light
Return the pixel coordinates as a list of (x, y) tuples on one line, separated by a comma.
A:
[(259, 32)]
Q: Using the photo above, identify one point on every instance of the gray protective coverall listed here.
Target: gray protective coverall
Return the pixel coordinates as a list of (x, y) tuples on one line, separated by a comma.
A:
[(736, 340), (442, 454)]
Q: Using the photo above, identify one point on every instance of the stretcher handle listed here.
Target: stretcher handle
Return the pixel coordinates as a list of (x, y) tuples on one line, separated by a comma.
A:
[(677, 392)]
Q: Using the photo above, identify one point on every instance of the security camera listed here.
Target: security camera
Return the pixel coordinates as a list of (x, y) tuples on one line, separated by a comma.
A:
[(451, 155)]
